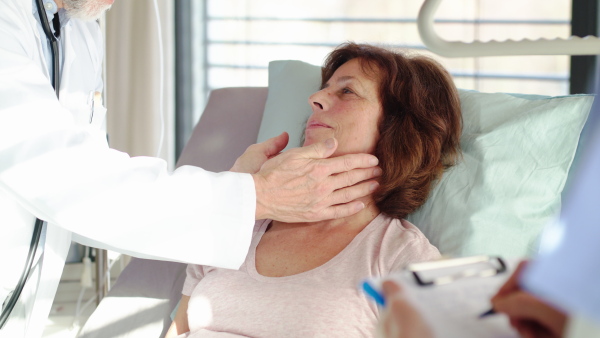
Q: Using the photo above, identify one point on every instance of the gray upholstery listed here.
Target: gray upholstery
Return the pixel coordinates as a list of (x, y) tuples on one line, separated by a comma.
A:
[(230, 124), (140, 302), (146, 292)]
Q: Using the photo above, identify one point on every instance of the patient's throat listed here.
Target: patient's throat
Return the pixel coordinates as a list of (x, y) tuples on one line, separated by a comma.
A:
[(290, 249)]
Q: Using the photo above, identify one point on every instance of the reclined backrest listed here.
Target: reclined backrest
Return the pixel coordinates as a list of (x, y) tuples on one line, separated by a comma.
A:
[(229, 124)]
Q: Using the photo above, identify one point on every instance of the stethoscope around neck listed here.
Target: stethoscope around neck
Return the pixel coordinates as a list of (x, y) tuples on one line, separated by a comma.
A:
[(11, 301)]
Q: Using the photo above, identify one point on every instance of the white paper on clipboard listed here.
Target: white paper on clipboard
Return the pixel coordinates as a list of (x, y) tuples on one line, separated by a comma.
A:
[(452, 309)]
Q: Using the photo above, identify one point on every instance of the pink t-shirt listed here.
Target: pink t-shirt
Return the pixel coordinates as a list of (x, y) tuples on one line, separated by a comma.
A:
[(322, 302)]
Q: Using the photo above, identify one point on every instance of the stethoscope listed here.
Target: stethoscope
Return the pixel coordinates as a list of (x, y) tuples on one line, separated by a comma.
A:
[(10, 303)]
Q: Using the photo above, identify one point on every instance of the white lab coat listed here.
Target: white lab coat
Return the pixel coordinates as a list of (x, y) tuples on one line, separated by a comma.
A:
[(56, 165)]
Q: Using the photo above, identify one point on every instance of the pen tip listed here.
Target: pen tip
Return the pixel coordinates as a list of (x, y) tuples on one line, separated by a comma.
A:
[(487, 313)]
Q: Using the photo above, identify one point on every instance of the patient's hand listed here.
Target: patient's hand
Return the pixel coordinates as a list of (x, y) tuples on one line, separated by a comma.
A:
[(180, 324), (257, 154), (303, 185)]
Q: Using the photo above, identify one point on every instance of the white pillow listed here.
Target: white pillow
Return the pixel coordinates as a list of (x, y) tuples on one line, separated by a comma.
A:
[(287, 108), (517, 151)]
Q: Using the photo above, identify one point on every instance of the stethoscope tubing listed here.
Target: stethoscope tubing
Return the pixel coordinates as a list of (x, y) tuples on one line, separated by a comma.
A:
[(12, 301), (53, 46)]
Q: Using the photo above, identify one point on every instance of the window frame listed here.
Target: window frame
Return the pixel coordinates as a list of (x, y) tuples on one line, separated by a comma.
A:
[(582, 76)]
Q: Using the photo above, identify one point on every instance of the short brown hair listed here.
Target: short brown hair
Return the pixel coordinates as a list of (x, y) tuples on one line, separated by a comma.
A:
[(421, 124)]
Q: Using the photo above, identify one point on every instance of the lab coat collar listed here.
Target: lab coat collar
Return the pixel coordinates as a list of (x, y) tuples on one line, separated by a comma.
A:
[(69, 56)]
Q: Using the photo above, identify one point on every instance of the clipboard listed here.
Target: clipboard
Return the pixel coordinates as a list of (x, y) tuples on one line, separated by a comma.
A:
[(450, 270), (451, 294)]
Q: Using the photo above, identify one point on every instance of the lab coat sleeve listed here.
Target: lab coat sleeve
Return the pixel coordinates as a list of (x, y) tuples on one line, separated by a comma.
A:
[(66, 174), (566, 272)]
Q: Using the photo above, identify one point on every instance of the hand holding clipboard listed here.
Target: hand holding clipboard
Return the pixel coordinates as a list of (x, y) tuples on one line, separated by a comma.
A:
[(451, 295)]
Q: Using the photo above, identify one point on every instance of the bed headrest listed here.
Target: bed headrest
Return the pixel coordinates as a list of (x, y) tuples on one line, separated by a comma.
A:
[(517, 153)]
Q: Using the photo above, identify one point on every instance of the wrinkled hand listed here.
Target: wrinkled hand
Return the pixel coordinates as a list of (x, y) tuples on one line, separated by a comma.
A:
[(303, 185), (529, 315), (400, 319), (257, 154)]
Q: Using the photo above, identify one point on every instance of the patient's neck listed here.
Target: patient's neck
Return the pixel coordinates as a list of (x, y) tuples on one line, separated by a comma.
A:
[(287, 249), (355, 222)]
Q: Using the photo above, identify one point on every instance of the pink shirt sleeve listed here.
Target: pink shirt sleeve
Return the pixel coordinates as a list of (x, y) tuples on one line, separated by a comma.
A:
[(417, 248)]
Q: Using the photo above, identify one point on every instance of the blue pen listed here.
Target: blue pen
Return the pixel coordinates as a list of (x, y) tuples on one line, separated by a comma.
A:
[(369, 290), (487, 313)]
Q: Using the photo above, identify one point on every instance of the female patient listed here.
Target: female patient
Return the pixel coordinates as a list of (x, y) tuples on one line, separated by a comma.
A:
[(301, 279)]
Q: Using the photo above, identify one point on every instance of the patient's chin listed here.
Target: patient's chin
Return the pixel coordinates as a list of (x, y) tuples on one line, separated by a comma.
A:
[(307, 143), (316, 136), (338, 152)]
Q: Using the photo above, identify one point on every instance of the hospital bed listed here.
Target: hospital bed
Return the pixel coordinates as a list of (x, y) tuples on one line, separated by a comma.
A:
[(518, 152), (142, 299)]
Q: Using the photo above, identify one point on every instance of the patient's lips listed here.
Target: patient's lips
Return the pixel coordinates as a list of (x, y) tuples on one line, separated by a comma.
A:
[(316, 124), (315, 131)]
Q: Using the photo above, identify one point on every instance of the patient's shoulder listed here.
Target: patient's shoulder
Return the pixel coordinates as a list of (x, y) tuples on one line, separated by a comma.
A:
[(403, 244), (395, 227), (409, 228)]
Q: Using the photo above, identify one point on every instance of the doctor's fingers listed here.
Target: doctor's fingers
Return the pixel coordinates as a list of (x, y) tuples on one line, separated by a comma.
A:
[(512, 284), (274, 145), (401, 319), (338, 211), (531, 329), (257, 154), (352, 177), (345, 163), (523, 307), (341, 203), (390, 289), (351, 193)]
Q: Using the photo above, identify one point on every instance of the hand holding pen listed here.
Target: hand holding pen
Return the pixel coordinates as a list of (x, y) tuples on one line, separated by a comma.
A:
[(511, 286), (529, 315)]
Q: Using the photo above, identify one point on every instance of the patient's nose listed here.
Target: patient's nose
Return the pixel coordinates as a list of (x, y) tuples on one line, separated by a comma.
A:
[(317, 100)]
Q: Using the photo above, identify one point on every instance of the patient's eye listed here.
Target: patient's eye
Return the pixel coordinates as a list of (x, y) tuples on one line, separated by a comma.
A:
[(347, 91)]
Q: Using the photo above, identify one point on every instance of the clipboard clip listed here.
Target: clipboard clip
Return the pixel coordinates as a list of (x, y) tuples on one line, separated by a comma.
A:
[(451, 270)]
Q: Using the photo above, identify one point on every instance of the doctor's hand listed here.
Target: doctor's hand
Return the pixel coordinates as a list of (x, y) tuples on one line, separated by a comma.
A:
[(529, 315), (304, 185), (399, 319), (257, 154)]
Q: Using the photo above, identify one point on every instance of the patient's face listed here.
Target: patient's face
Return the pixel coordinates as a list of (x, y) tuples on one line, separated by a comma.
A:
[(348, 108)]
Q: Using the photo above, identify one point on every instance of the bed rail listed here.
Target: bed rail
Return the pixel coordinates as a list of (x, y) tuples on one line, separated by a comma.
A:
[(574, 45)]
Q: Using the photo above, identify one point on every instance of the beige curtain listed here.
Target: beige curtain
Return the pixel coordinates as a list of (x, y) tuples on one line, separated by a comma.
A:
[(132, 83), (132, 86)]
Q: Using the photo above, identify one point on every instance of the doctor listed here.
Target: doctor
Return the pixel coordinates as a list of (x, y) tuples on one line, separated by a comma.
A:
[(55, 165)]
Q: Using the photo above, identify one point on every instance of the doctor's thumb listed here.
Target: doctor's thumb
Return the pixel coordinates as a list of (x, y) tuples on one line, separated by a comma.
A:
[(324, 149), (275, 145)]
